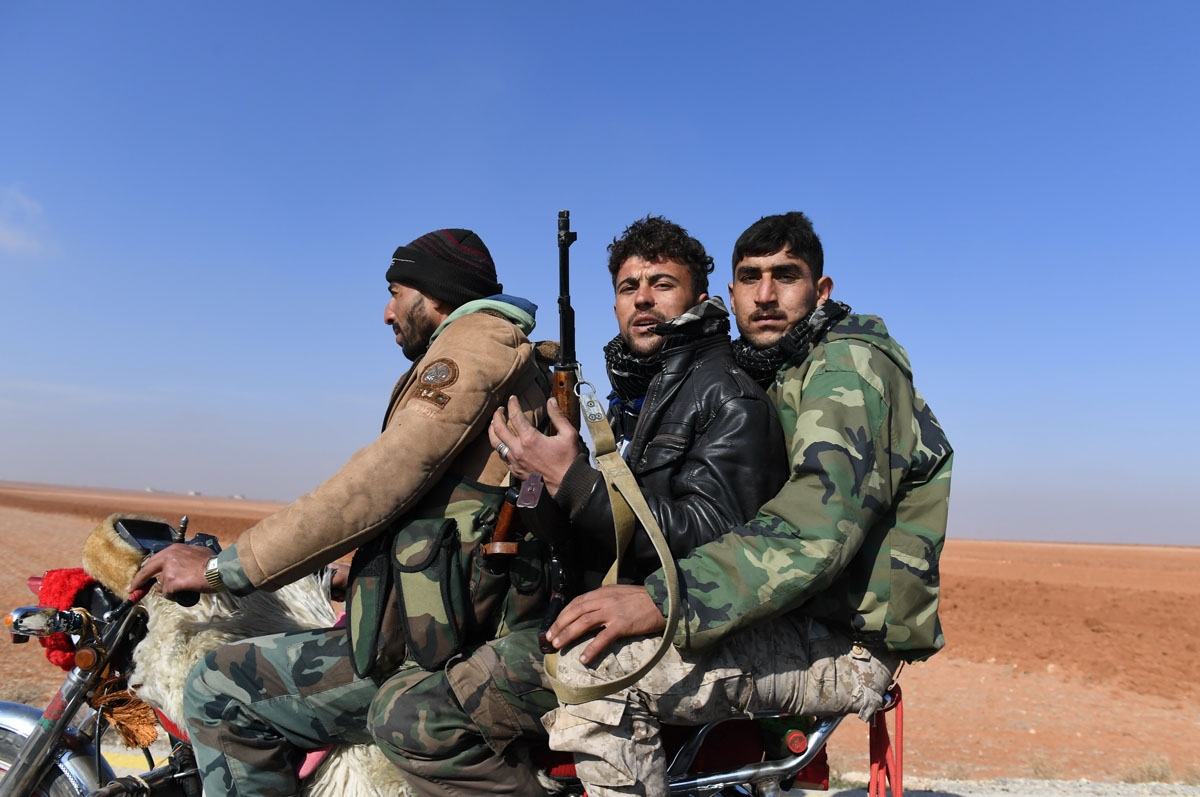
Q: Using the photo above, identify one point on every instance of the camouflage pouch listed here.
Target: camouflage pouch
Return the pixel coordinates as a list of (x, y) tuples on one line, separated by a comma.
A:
[(430, 592), (366, 607), (423, 592)]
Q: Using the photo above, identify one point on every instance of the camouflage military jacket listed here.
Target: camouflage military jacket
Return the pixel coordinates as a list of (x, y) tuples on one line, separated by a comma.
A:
[(854, 537), (427, 490)]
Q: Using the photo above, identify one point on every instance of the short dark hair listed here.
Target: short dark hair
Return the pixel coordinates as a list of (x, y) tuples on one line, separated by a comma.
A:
[(655, 238), (786, 232)]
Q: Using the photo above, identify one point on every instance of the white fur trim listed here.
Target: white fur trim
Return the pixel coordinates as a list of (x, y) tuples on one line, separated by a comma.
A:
[(177, 637)]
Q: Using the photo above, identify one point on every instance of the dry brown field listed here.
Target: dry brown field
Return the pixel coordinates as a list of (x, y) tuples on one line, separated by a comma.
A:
[(1064, 661)]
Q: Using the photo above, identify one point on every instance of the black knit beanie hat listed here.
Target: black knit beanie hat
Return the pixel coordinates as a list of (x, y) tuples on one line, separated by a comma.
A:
[(451, 265)]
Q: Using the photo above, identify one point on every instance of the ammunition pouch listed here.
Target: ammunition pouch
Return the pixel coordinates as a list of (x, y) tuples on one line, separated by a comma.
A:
[(430, 592), (424, 592)]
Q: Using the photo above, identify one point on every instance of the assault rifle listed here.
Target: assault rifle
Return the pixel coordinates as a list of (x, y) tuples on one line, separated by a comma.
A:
[(566, 370), (544, 519), (565, 392)]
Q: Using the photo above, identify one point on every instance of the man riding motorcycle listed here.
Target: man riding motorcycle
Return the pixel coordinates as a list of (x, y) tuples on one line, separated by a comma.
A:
[(415, 504)]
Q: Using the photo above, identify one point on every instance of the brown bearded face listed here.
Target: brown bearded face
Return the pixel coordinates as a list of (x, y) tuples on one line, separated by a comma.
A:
[(412, 321), (414, 330)]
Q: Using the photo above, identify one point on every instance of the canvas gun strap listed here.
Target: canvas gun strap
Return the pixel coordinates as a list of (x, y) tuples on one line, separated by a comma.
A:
[(627, 503)]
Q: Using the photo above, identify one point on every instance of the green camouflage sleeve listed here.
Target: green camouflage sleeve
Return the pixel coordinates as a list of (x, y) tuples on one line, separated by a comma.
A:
[(851, 416), (233, 575)]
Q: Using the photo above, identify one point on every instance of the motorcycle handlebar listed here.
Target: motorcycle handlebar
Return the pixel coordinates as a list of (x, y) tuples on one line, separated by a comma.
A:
[(187, 599)]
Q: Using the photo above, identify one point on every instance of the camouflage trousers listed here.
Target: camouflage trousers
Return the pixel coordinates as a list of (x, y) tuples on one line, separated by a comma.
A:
[(791, 665), (253, 706), (467, 729)]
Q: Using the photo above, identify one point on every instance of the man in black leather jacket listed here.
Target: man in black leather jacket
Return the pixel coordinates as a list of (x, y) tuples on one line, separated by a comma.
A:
[(700, 436), (705, 445)]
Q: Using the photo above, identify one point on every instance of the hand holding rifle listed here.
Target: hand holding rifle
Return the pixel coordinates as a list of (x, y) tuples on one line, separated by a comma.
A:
[(529, 451)]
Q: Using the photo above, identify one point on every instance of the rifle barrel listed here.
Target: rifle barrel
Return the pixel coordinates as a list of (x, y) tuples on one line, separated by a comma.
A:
[(566, 314)]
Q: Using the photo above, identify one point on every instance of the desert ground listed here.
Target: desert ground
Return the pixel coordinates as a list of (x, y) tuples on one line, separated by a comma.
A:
[(1063, 661)]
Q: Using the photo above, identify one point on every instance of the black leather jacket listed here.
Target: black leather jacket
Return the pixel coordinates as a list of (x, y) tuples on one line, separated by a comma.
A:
[(707, 451)]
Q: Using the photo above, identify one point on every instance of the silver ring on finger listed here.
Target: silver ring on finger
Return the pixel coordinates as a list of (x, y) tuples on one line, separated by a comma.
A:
[(502, 449)]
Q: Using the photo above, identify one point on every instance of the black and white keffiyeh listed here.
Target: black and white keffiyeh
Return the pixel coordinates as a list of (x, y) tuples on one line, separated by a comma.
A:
[(630, 375), (763, 364)]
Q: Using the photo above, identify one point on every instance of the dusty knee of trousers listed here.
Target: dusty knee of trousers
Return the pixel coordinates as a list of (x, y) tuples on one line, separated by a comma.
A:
[(873, 671), (568, 669), (846, 677), (604, 738)]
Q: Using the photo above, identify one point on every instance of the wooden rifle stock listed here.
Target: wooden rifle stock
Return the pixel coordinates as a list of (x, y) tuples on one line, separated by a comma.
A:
[(503, 541), (563, 390)]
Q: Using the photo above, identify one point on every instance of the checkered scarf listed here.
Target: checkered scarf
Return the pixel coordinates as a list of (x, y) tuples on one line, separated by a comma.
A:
[(630, 375), (763, 364)]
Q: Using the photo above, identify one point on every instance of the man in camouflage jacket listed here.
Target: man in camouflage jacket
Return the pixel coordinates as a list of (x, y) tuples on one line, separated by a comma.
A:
[(414, 505), (810, 607)]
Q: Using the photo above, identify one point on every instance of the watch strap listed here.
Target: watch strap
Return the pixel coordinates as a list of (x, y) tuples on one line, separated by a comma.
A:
[(212, 574)]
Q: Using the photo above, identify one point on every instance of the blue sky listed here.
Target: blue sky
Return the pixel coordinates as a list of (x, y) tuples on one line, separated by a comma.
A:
[(198, 203)]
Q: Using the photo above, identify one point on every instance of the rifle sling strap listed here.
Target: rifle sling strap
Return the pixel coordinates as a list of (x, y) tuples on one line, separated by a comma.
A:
[(627, 502)]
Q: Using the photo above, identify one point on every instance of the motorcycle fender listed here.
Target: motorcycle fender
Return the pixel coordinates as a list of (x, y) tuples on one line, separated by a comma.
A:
[(75, 755)]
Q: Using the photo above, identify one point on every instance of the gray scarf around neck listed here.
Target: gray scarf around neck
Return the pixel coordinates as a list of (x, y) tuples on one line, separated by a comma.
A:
[(630, 375)]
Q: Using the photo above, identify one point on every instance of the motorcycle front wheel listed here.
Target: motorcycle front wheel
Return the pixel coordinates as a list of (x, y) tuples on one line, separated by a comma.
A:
[(54, 783)]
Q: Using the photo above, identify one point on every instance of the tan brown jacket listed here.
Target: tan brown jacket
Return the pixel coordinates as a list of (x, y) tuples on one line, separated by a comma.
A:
[(436, 424)]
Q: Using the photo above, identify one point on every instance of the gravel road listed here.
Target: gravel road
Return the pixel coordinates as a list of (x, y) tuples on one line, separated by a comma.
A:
[(131, 762), (1024, 788)]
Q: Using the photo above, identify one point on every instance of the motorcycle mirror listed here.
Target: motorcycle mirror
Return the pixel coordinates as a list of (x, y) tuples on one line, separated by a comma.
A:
[(145, 536)]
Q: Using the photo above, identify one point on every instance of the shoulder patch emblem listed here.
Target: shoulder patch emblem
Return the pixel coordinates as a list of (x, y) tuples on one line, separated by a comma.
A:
[(440, 373)]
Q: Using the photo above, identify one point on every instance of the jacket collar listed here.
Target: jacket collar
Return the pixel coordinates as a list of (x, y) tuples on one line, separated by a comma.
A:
[(520, 311)]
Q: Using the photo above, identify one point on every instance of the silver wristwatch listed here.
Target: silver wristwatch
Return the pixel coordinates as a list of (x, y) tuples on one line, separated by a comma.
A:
[(212, 574)]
